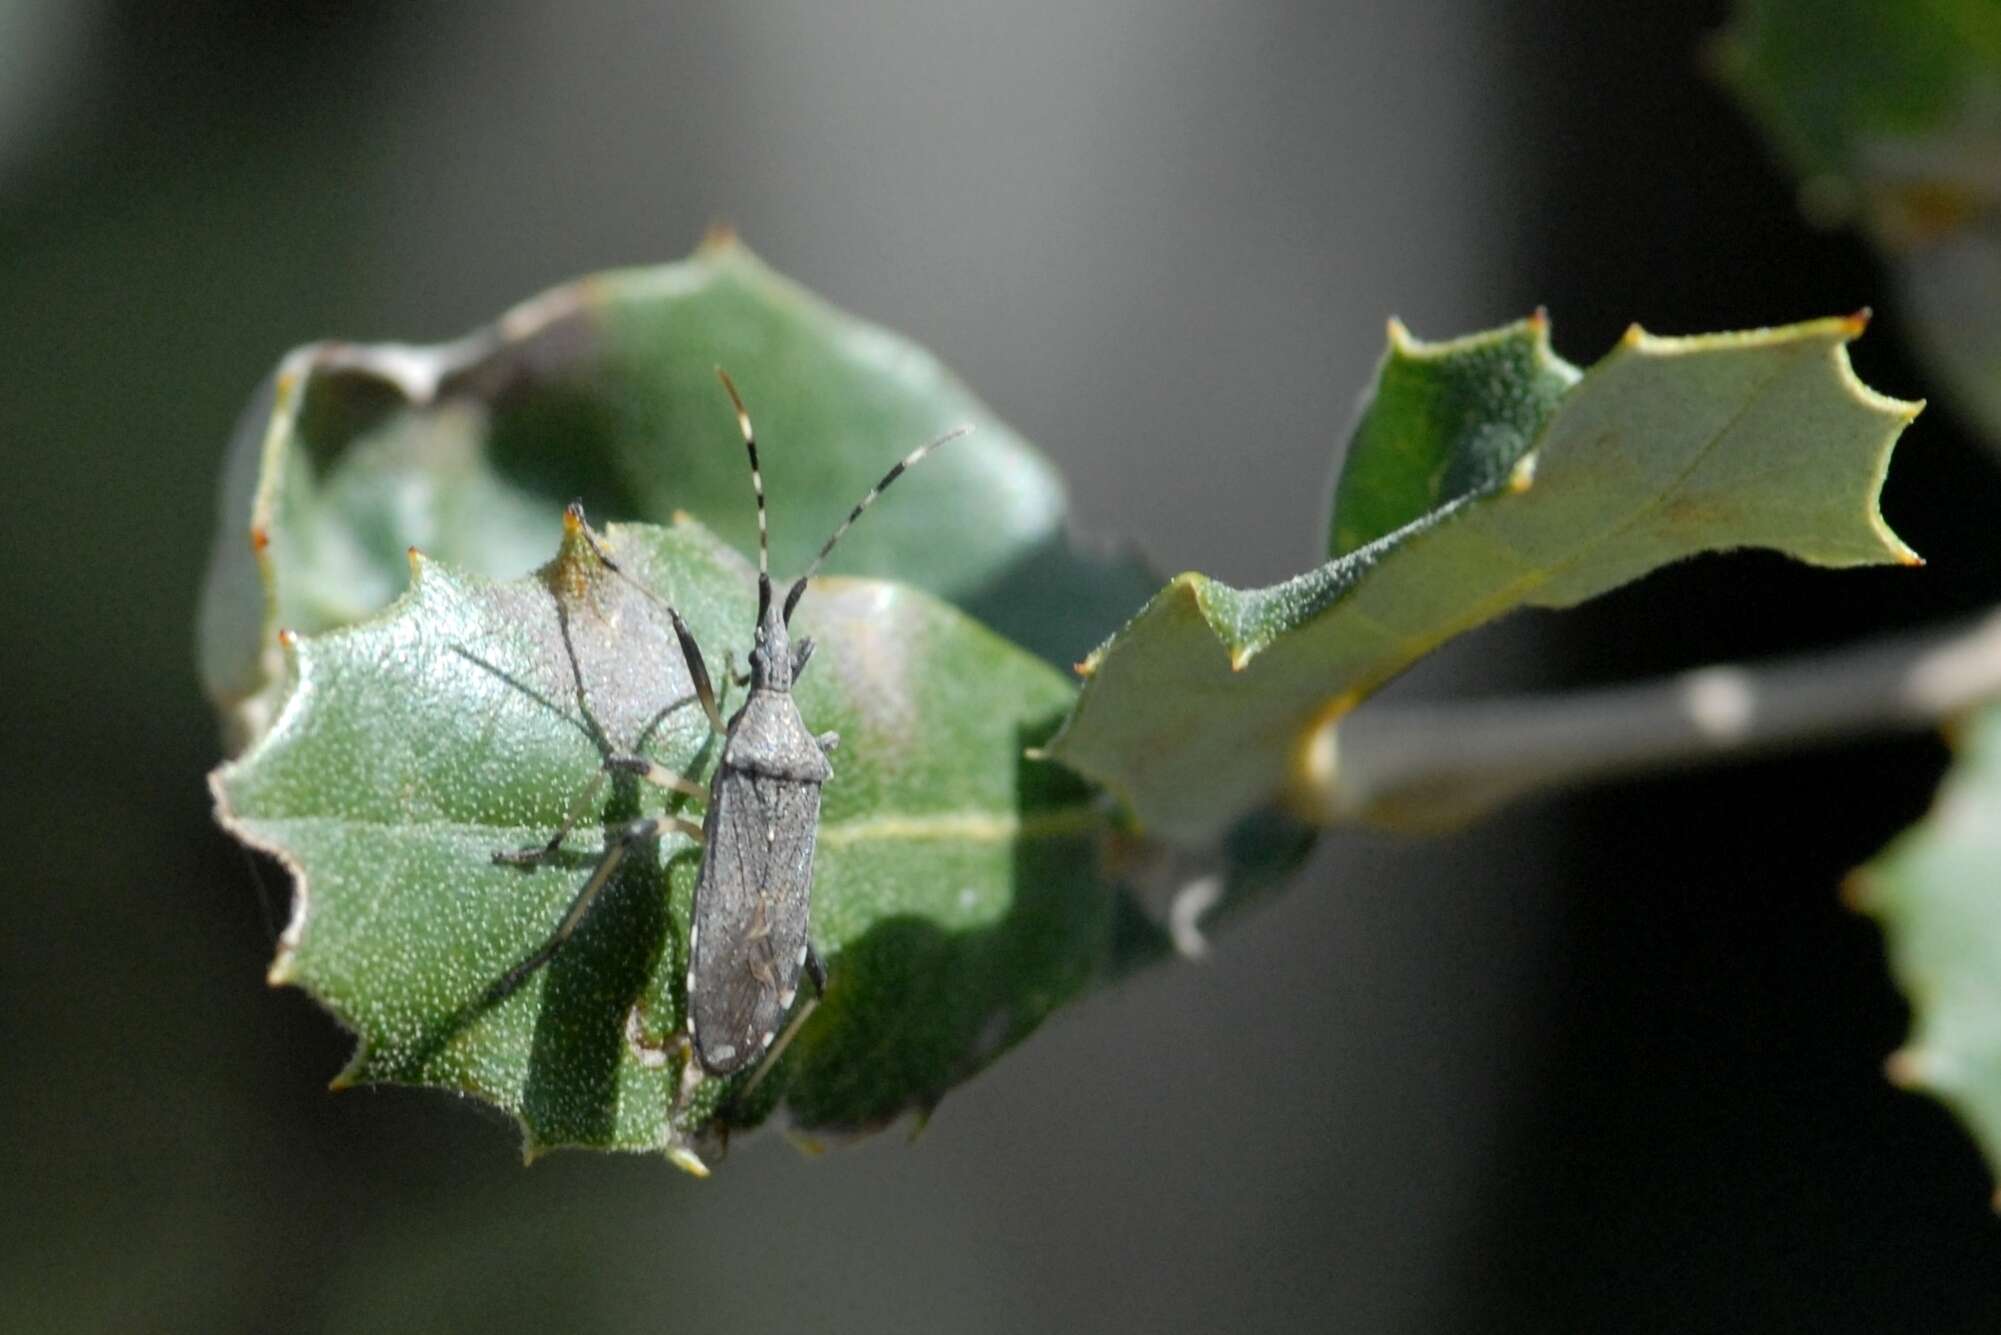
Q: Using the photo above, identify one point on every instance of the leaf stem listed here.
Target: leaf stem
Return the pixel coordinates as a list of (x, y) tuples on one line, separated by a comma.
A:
[(1430, 767)]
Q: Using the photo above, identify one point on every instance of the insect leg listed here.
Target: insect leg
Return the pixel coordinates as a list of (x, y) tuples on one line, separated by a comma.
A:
[(621, 843), (639, 766), (655, 1053), (697, 669), (657, 775), (534, 854), (778, 1048), (818, 973)]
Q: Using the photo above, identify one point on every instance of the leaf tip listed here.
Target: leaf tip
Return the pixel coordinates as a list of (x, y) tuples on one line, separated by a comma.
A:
[(1910, 1068), (1538, 321), (920, 1120), (809, 1145), (283, 971), (1858, 891), (1399, 335), (687, 1161), (1522, 476), (1853, 325), (719, 237), (1633, 337)]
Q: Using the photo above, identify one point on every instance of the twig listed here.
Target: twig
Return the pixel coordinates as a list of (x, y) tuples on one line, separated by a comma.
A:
[(1433, 766)]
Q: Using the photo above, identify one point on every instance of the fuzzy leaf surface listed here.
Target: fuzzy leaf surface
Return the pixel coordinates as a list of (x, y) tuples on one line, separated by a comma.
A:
[(960, 888), (1209, 701), (1445, 420)]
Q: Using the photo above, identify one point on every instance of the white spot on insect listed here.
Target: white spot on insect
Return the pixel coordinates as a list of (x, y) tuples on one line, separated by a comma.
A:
[(803, 948), (691, 984), (723, 1053), (785, 998), (765, 1042), (694, 935), (771, 834)]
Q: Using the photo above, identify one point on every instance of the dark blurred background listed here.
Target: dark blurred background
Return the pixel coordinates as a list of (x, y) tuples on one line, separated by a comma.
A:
[(1606, 1062)]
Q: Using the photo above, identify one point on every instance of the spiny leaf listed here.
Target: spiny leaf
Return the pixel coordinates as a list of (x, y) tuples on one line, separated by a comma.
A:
[(961, 890), (1445, 420), (1936, 891), (605, 389), (1209, 701), (1890, 115)]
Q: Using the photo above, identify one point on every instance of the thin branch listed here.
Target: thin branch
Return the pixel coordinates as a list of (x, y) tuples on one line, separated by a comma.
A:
[(1433, 766)]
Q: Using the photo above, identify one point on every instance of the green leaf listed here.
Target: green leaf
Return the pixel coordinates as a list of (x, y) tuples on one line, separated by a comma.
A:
[(1889, 115), (1214, 699), (605, 389), (1445, 420), (1836, 83), (961, 891), (1936, 892)]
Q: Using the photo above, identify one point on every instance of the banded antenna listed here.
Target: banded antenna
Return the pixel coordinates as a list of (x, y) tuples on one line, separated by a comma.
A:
[(757, 485), (798, 589), (909, 460)]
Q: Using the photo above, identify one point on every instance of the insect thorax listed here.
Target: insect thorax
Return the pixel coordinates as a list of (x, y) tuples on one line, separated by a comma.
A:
[(769, 737)]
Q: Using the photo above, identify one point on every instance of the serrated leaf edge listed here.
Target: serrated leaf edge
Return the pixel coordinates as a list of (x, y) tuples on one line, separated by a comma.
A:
[(1219, 604)]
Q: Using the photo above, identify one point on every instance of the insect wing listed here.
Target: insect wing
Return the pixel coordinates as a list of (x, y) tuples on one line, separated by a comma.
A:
[(750, 914)]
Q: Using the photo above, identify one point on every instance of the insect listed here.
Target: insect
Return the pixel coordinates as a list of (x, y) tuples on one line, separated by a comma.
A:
[(748, 942)]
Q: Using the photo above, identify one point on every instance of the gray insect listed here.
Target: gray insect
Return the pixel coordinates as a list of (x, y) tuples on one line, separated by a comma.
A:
[(748, 942)]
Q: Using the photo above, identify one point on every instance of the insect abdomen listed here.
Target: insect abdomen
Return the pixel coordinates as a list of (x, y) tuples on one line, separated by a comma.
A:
[(750, 915)]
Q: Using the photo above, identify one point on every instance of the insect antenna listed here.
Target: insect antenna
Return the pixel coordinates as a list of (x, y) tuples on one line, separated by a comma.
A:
[(757, 485), (798, 589)]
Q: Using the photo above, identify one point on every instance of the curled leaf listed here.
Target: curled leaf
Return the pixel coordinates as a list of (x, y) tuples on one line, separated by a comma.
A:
[(605, 389)]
